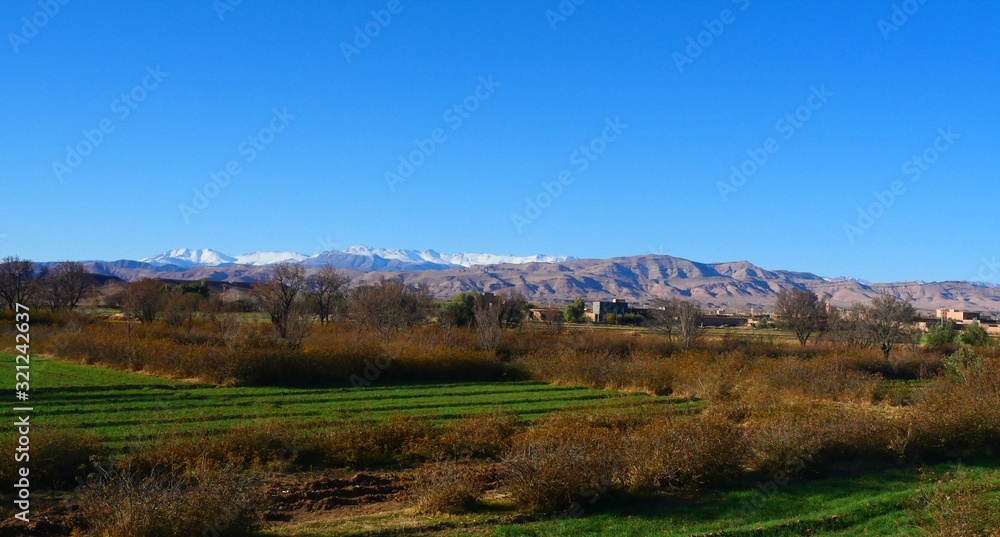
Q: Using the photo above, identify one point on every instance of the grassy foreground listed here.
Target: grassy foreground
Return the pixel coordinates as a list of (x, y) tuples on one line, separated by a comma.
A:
[(123, 407), (886, 503)]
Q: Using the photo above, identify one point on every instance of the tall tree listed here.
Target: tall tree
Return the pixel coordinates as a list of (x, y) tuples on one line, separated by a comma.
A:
[(17, 281), (460, 310), (326, 290), (277, 297), (388, 306), (684, 317), (689, 322), (800, 311), (885, 322), (489, 323), (64, 285), (574, 312), (143, 300), (513, 308)]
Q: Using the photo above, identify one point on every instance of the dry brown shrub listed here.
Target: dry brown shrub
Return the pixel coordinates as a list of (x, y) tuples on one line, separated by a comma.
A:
[(794, 438), (956, 506), (795, 379), (335, 356), (607, 370), (708, 376), (952, 420), (371, 444), (201, 498), (485, 435), (552, 467), (60, 457), (448, 487), (682, 453)]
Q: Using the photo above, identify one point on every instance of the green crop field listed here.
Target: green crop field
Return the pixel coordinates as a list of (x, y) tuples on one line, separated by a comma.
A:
[(883, 503), (123, 407)]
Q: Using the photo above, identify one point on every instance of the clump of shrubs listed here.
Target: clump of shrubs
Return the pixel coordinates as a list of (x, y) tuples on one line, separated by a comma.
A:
[(955, 505), (256, 359), (551, 468), (682, 453), (60, 458), (448, 487), (197, 498)]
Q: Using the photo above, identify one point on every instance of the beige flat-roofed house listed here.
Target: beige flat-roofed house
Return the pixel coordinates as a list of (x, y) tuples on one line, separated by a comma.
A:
[(958, 315)]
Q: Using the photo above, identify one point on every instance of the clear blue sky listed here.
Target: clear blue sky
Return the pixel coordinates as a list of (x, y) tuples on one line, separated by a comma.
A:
[(881, 95)]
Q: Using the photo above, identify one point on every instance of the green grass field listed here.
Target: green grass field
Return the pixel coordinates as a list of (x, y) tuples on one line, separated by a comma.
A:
[(883, 503), (127, 407), (123, 407)]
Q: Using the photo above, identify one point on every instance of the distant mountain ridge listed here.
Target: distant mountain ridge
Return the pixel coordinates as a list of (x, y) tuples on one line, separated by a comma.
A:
[(735, 286), (370, 258)]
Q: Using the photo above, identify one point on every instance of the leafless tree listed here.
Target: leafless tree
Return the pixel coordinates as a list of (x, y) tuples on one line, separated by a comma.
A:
[(224, 320), (488, 323), (800, 311), (388, 306), (663, 316), (277, 297), (885, 322), (180, 307), (326, 290), (143, 300), (681, 316), (17, 281), (689, 322), (64, 285)]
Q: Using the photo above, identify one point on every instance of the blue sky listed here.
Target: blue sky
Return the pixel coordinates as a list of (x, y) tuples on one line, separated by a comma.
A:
[(327, 114)]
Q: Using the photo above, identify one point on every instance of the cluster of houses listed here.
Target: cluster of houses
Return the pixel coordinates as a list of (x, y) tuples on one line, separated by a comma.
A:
[(599, 311), (962, 319)]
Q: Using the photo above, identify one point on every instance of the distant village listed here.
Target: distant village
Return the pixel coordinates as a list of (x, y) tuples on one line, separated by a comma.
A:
[(615, 311)]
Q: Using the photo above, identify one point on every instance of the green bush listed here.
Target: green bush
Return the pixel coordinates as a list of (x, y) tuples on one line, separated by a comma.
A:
[(975, 335), (941, 334)]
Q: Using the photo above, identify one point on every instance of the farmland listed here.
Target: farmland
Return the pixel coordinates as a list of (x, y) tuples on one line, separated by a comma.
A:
[(883, 504), (538, 431), (121, 406)]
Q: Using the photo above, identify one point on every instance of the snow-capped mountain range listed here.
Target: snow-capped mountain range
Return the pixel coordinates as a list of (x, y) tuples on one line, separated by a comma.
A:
[(397, 259)]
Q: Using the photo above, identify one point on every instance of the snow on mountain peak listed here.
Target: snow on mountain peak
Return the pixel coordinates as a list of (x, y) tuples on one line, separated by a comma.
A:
[(269, 258), (462, 259), (188, 258)]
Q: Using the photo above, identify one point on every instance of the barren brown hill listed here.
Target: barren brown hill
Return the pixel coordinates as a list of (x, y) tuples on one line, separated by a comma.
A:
[(640, 279)]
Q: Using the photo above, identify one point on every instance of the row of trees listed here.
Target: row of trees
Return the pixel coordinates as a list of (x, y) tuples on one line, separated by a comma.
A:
[(883, 323), (59, 287), (291, 299), (488, 314)]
